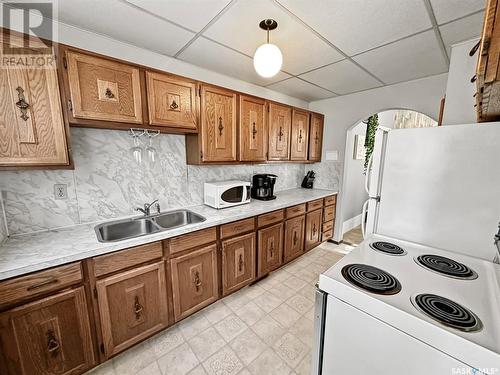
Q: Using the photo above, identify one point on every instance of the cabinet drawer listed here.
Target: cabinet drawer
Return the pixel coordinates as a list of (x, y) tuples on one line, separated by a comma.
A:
[(314, 205), (238, 262), (127, 258), (327, 235), (295, 210), (40, 282), (270, 218), (237, 227), (195, 239), (332, 199), (327, 226), (329, 213)]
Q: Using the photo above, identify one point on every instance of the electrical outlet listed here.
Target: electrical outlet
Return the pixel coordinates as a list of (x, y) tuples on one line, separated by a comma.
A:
[(60, 191)]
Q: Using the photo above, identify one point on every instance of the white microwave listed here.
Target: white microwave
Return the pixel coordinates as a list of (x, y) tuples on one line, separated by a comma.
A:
[(224, 194)]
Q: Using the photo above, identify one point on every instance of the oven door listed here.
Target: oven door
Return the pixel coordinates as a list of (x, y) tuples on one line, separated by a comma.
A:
[(233, 195)]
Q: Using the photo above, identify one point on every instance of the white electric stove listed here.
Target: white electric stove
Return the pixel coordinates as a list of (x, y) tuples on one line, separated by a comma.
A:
[(395, 307)]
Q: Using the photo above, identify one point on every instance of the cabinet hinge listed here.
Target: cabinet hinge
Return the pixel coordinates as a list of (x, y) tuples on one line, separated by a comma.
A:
[(486, 46), (101, 348), (95, 292), (65, 62), (70, 105)]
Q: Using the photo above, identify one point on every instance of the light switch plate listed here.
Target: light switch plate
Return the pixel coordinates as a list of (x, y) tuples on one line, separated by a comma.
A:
[(60, 191), (332, 155)]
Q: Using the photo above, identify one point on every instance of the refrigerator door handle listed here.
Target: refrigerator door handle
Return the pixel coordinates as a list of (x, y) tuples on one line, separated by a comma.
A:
[(363, 217), (319, 331)]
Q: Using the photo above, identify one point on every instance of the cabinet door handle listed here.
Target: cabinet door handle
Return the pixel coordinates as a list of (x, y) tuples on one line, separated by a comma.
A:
[(295, 238), (197, 281), (174, 105), (280, 133), (271, 249), (221, 127), (137, 308), (240, 263), (314, 229), (52, 343), (254, 130), (109, 94), (22, 104), (51, 280), (300, 135), (316, 139)]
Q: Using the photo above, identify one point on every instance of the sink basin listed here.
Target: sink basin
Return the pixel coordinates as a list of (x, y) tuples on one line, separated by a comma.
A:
[(173, 219), (121, 230)]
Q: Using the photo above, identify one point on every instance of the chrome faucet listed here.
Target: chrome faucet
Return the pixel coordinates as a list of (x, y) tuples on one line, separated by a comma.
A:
[(497, 243), (147, 208)]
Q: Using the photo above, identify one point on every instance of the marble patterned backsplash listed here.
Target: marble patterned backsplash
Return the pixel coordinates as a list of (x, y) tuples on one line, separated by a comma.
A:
[(107, 183)]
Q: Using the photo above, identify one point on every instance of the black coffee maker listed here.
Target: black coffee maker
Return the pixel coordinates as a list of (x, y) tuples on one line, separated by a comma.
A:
[(263, 186)]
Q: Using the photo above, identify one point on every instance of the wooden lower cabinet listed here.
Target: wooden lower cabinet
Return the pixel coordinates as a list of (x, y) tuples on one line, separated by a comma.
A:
[(132, 306), (270, 249), (294, 238), (238, 262), (194, 281), (48, 336), (313, 229)]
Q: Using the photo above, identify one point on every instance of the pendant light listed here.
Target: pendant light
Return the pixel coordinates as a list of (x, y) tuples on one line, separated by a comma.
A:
[(267, 59)]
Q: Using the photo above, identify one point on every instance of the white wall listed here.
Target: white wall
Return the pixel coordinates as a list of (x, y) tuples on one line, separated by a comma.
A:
[(341, 113), (459, 105)]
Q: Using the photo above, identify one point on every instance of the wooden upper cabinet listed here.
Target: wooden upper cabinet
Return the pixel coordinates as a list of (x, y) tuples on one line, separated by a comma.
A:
[(103, 89), (218, 124), (172, 101), (253, 129), (280, 120), (132, 306), (48, 336), (299, 139), (238, 262), (32, 130), (316, 137)]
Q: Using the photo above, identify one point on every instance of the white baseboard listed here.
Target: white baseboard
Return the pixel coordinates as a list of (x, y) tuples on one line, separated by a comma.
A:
[(351, 223)]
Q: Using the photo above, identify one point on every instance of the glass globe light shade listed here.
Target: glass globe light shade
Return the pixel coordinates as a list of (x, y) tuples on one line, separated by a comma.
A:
[(267, 60)]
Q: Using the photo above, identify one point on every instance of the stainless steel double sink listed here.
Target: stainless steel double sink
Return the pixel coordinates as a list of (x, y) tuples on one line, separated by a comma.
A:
[(140, 226)]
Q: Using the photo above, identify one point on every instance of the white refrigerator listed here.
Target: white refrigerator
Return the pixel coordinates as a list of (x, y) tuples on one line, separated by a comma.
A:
[(436, 186)]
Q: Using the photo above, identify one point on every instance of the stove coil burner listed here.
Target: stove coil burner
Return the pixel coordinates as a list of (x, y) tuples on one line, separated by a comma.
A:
[(371, 279), (446, 266), (387, 248), (447, 312)]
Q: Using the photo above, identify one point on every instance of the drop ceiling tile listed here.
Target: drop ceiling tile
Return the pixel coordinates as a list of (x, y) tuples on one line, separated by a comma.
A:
[(239, 28), (342, 78), (407, 59), (108, 17), (301, 89), (355, 26), (194, 15), (462, 29), (213, 56), (447, 10)]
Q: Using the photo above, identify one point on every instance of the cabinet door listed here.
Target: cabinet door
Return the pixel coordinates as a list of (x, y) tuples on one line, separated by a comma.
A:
[(32, 130), (218, 124), (316, 137), (294, 237), (253, 129), (300, 135), (280, 121), (270, 249), (238, 262), (132, 306), (103, 89), (171, 101), (194, 281), (313, 229), (49, 336)]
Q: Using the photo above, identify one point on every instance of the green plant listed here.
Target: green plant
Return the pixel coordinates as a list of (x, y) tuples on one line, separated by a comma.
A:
[(371, 127)]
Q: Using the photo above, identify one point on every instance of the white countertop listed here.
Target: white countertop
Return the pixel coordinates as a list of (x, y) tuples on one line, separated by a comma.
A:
[(37, 251)]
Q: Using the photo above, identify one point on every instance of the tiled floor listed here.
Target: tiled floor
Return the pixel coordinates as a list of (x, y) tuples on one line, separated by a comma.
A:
[(266, 328), (354, 236)]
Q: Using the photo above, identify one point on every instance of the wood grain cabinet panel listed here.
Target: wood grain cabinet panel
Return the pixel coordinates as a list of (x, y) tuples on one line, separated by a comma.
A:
[(218, 124), (270, 249), (252, 129), (48, 336), (194, 281), (313, 229), (299, 140), (238, 262), (172, 101), (280, 121), (132, 306), (32, 130), (103, 89), (294, 238), (316, 137)]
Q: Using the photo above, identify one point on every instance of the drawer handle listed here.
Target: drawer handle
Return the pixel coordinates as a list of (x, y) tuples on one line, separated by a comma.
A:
[(221, 127), (240, 263), (280, 133), (49, 281), (295, 238), (174, 105), (197, 281), (22, 104), (254, 130), (137, 308), (52, 344)]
